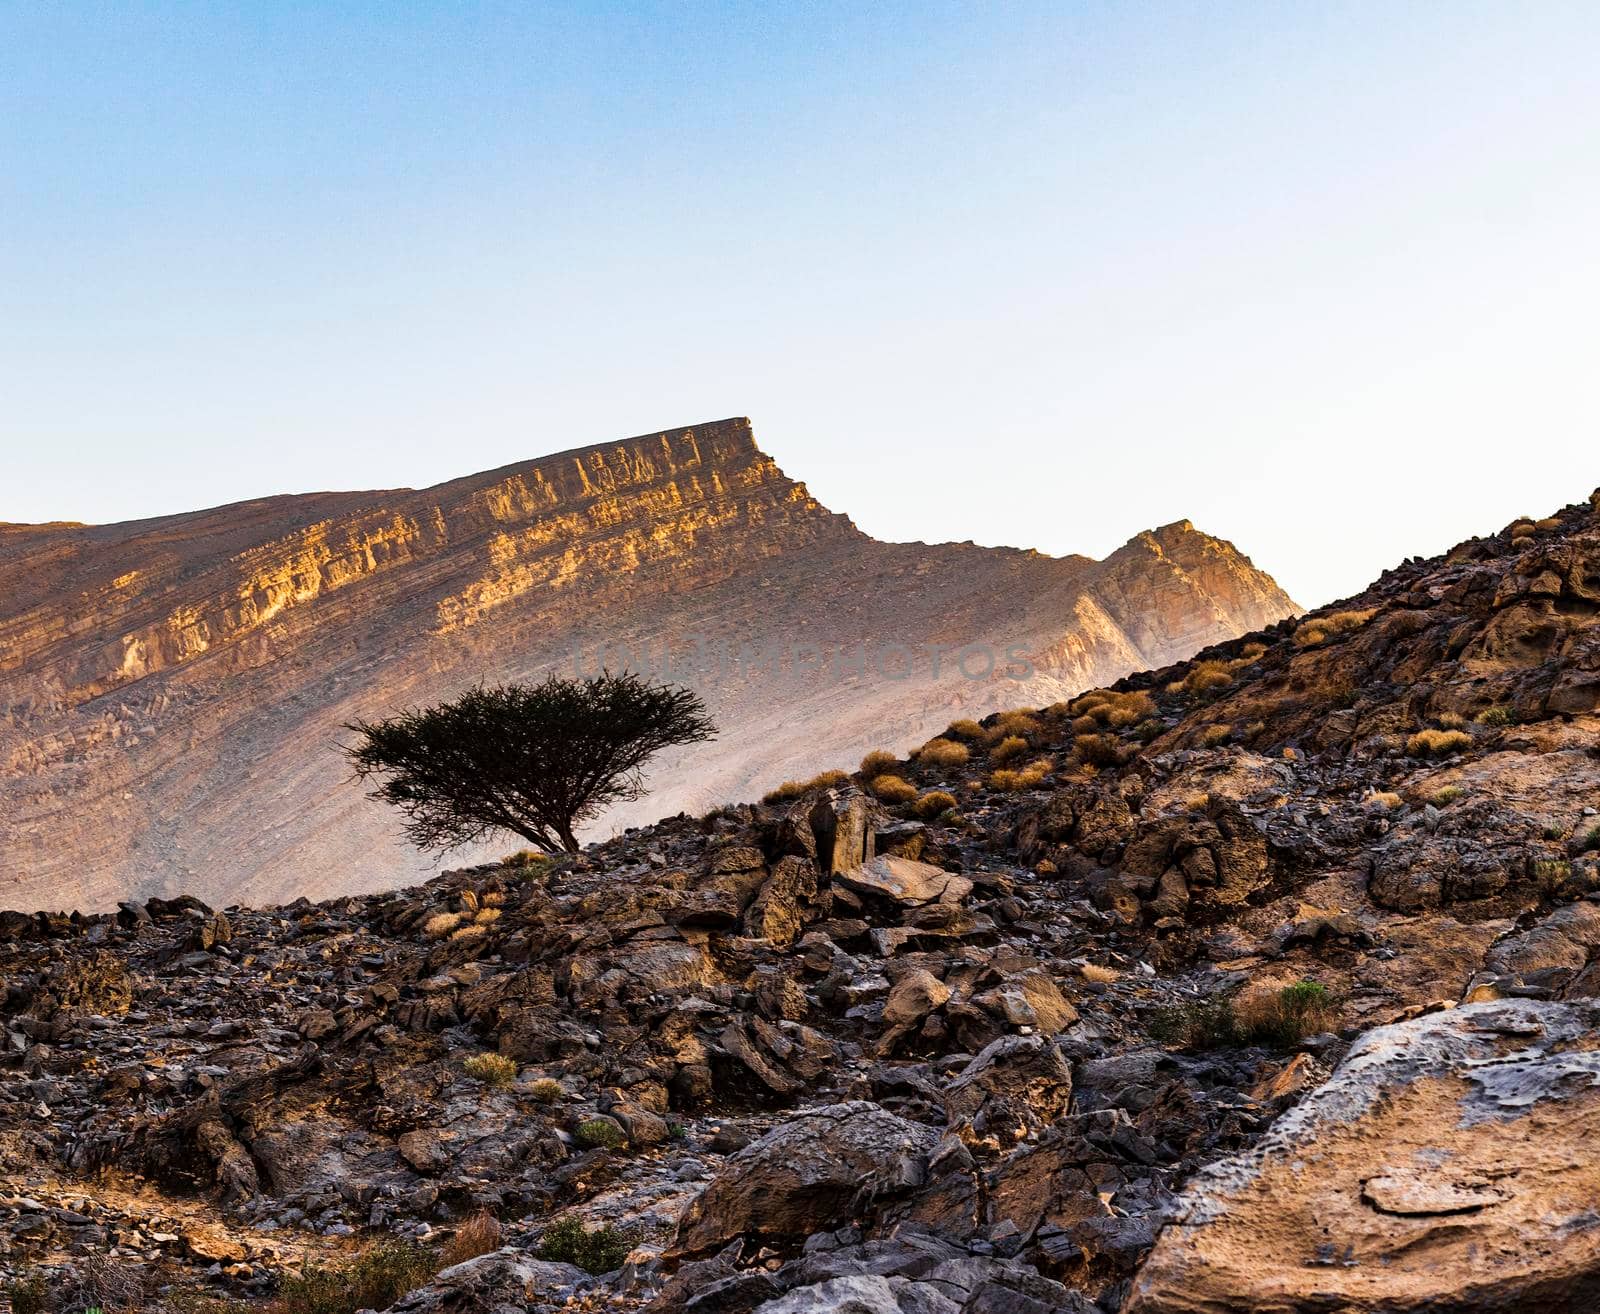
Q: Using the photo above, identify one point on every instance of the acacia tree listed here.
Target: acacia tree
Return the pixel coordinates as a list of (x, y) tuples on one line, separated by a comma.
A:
[(534, 759)]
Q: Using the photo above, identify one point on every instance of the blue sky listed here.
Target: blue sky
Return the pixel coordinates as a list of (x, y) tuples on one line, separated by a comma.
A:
[(1323, 278)]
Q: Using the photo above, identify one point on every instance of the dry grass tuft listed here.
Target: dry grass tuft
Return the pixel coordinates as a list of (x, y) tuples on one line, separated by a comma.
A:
[(1213, 735), (1386, 801), (491, 1069), (793, 789), (440, 925), (942, 753), (1009, 724), (1317, 630), (1012, 746), (1208, 676), (1437, 743), (1029, 777), (478, 1235), (1095, 972), (877, 762), (965, 729), (893, 789), (1098, 750), (934, 803)]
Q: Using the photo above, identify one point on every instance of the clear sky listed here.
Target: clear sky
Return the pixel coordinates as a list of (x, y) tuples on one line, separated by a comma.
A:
[(1324, 278)]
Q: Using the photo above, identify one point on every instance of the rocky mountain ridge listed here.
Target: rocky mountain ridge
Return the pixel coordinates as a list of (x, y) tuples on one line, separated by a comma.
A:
[(1264, 982), (172, 691)]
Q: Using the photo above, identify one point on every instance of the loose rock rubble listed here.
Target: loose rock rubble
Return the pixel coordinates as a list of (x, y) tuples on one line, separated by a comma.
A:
[(829, 1054)]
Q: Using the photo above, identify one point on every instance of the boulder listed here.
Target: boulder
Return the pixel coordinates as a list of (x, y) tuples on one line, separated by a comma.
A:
[(810, 1174), (1447, 1166), (1016, 1085), (908, 883)]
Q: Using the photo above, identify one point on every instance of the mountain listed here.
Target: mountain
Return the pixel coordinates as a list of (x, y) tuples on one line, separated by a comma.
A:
[(172, 691), (1264, 982)]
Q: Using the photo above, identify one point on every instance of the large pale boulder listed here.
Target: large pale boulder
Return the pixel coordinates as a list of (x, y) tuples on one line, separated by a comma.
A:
[(1448, 1165)]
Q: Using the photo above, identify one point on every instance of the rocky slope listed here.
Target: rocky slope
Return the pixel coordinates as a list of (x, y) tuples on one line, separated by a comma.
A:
[(1263, 982), (172, 691)]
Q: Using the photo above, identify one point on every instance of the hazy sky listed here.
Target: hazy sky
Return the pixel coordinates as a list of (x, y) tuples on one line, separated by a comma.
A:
[(1324, 278)]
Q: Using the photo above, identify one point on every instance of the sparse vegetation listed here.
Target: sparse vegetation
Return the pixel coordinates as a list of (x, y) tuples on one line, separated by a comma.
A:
[(546, 1090), (1028, 777), (1213, 735), (1437, 743), (1295, 1012), (1012, 746), (1499, 714), (934, 803), (964, 729), (1098, 750), (600, 1132), (942, 752), (598, 1250), (534, 759), (893, 789), (29, 1293), (375, 1279), (1550, 874), (1207, 676), (1118, 711), (1018, 723), (491, 1069), (477, 1235), (1282, 1019), (1095, 972), (1317, 630), (441, 924), (1385, 801), (877, 762), (525, 858), (1443, 798), (793, 789)]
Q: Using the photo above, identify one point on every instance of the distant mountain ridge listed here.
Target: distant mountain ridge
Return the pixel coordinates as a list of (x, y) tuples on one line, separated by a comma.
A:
[(172, 690)]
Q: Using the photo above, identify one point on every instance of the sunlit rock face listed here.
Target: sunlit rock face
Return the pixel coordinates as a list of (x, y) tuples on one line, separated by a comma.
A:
[(172, 691)]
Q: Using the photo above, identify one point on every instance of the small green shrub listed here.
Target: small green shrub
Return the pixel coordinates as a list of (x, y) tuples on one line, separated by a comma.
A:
[(1443, 798), (600, 1132), (491, 1069), (545, 1091), (375, 1279), (598, 1250), (526, 858), (1590, 842)]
